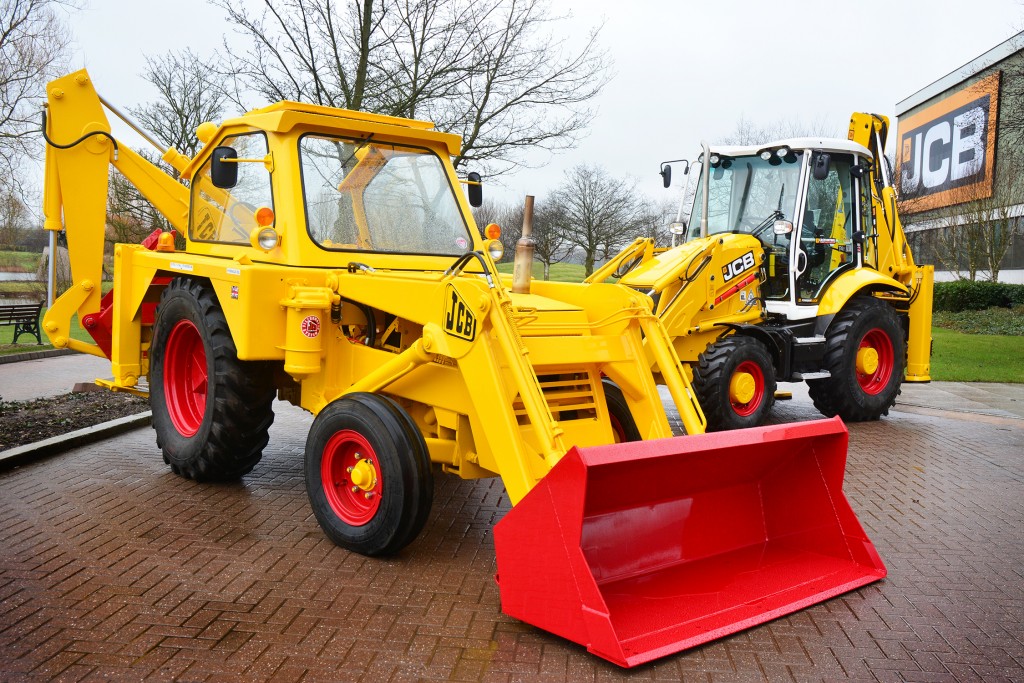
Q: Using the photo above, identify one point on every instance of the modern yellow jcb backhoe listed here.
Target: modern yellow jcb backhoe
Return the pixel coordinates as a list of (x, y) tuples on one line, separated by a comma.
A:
[(795, 268), (331, 260)]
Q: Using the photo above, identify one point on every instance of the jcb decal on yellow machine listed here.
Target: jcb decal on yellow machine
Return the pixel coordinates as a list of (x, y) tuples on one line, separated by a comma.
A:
[(459, 320), (738, 266)]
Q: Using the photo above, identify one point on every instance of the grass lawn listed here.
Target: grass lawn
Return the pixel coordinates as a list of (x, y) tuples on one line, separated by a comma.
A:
[(959, 357), (560, 272), (24, 261)]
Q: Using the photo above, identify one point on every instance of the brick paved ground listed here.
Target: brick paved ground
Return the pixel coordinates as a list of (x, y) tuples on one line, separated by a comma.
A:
[(112, 568)]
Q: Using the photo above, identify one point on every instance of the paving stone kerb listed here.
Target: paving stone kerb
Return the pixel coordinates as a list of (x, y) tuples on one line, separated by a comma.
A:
[(112, 568)]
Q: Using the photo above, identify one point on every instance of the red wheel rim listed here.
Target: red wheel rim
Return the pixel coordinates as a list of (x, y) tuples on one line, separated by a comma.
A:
[(185, 377), (874, 382), (354, 502), (750, 407)]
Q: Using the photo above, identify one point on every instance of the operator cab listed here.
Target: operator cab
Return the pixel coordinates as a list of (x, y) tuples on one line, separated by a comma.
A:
[(803, 199)]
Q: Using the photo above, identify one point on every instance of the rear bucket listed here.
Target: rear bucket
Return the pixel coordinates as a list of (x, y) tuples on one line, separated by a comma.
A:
[(644, 549)]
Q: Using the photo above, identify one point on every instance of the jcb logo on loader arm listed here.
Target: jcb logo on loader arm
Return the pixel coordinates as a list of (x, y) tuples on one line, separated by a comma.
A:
[(459, 320), (738, 266)]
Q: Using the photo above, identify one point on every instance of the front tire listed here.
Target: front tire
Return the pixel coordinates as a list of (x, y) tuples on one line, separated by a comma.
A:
[(866, 355), (735, 383), (368, 474), (211, 411), (623, 425)]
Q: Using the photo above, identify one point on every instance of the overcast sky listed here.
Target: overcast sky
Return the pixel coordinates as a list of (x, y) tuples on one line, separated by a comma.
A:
[(684, 71)]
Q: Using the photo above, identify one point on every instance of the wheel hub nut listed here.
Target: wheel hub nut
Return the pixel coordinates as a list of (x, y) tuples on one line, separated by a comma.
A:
[(742, 387), (867, 360), (364, 475)]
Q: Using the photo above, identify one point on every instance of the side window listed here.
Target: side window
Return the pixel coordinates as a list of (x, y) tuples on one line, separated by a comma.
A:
[(229, 214), (827, 226), (867, 221)]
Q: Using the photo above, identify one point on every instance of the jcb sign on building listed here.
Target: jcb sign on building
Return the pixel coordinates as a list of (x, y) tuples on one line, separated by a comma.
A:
[(946, 152)]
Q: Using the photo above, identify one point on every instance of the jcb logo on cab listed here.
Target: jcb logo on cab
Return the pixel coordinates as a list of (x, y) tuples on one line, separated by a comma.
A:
[(459, 319)]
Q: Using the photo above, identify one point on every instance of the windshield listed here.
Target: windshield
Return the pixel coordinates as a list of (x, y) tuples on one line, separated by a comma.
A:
[(363, 195), (746, 194)]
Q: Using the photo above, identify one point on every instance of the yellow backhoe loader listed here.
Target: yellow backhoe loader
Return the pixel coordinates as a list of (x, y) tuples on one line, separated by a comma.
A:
[(332, 261), (795, 268)]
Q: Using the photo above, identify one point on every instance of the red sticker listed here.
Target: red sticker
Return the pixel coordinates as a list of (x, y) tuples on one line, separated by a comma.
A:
[(311, 326)]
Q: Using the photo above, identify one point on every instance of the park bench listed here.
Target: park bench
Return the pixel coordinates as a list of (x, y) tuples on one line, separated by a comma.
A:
[(24, 317)]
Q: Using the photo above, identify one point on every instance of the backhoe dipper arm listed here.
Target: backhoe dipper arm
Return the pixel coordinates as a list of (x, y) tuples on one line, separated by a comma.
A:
[(79, 151)]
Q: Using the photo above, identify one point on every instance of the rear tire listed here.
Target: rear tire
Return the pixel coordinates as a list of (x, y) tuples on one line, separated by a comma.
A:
[(734, 380), (866, 354), (623, 425), (211, 411), (368, 474)]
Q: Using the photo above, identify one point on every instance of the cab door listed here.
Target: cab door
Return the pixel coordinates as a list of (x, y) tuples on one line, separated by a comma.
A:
[(828, 222)]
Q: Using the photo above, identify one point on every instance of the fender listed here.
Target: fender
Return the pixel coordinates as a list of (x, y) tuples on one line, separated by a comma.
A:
[(851, 283)]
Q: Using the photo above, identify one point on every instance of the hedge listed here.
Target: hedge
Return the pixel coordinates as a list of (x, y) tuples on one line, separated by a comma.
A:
[(975, 295)]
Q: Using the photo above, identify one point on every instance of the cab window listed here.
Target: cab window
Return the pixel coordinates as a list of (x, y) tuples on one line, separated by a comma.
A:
[(229, 214)]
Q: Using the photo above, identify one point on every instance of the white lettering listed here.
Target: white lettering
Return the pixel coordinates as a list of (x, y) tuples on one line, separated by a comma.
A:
[(968, 153), (936, 137)]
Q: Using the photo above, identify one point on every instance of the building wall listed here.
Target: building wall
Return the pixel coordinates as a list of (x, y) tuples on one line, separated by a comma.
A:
[(923, 220)]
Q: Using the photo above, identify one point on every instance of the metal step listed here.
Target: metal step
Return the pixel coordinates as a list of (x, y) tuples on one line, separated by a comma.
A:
[(800, 376)]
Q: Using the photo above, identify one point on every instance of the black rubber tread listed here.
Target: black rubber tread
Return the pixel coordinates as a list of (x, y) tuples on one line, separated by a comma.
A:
[(841, 394), (402, 456), (619, 410), (713, 373), (239, 412)]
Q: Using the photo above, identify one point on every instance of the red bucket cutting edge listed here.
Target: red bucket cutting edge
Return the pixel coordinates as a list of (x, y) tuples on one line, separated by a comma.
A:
[(643, 549)]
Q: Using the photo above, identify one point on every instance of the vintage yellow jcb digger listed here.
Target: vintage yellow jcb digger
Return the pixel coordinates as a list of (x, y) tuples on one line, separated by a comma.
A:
[(331, 261), (795, 268)]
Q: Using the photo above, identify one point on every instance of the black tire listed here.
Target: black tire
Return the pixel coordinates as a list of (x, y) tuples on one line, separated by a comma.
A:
[(853, 395), (385, 508), (623, 425), (211, 411), (713, 376)]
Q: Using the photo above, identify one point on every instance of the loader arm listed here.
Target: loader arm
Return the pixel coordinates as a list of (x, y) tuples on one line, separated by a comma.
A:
[(79, 152)]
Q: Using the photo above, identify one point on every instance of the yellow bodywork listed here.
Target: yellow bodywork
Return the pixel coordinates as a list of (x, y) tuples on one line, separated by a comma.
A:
[(498, 383)]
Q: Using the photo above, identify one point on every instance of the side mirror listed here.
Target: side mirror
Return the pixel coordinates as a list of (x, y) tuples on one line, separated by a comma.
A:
[(666, 170), (782, 227), (474, 189), (224, 174), (821, 163)]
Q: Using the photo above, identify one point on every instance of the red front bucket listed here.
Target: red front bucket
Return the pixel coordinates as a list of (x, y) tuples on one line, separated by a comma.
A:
[(644, 549)]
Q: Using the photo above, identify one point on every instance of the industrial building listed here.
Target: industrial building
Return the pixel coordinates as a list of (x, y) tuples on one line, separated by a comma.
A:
[(960, 168)]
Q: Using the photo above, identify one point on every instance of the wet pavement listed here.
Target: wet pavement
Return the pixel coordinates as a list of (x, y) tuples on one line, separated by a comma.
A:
[(113, 568)]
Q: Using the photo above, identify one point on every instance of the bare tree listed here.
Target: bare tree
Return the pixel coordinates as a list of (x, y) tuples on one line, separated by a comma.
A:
[(130, 216), (1011, 99), (747, 132), (15, 219), (974, 235), (598, 214), (493, 71), (33, 43), (189, 93), (551, 245)]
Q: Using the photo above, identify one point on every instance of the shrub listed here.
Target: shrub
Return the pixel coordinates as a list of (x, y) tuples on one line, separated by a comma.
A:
[(1002, 321), (973, 295)]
